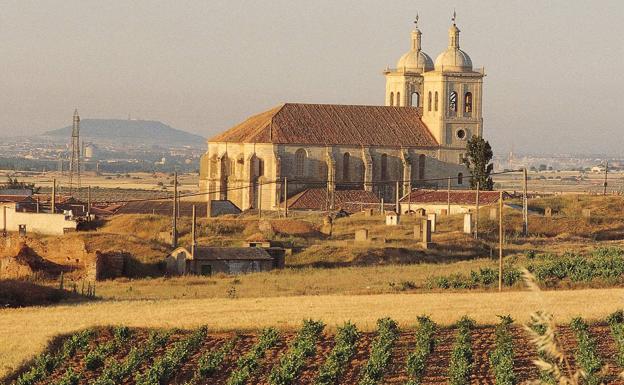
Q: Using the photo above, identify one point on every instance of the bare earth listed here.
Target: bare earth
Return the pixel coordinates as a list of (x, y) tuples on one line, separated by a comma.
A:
[(24, 332)]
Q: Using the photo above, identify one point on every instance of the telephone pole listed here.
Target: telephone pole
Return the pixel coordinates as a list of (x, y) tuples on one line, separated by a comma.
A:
[(74, 164), (525, 204), (476, 233), (604, 192), (174, 230)]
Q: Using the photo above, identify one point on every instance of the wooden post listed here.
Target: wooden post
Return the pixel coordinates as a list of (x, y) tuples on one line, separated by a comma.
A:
[(397, 207), (448, 198), (53, 200), (409, 199), (193, 233), (4, 221), (476, 233), (89, 201), (285, 197), (174, 230), (604, 192), (37, 205), (259, 200), (500, 242), (525, 204)]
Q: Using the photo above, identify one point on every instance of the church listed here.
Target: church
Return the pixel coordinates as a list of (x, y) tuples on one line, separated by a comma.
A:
[(416, 140)]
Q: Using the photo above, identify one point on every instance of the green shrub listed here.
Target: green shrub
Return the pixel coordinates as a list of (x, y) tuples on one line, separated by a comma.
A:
[(248, 363), (501, 358), (344, 348), (304, 345), (461, 361), (587, 352), (425, 344), (387, 333)]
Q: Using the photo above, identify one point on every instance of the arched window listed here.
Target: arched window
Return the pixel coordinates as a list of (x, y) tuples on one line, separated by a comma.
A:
[(384, 166), (392, 98), (460, 178), (435, 105), (453, 101), (468, 103), (398, 103), (345, 166), (415, 99), (300, 157), (429, 102), (421, 166)]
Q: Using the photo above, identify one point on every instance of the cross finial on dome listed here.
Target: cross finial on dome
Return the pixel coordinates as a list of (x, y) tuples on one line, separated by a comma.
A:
[(454, 16), (416, 20)]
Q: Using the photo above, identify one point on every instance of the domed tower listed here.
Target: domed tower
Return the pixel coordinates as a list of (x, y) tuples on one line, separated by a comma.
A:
[(404, 84), (452, 95)]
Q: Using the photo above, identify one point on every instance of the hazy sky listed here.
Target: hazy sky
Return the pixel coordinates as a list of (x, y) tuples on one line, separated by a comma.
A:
[(555, 69)]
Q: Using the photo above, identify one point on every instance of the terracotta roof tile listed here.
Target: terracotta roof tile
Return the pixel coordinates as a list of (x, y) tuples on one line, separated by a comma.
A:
[(348, 200), (458, 197), (333, 124)]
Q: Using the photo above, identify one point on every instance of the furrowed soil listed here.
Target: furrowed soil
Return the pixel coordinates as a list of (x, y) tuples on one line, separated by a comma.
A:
[(436, 371)]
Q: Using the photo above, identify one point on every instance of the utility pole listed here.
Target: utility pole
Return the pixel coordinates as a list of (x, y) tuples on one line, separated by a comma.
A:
[(397, 207), (500, 242), (193, 233), (74, 164), (89, 201), (285, 197), (4, 221), (174, 230), (604, 192), (259, 200), (476, 233), (525, 204), (53, 200), (448, 197)]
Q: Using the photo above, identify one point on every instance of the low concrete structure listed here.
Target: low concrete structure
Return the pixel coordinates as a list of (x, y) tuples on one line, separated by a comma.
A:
[(41, 223), (392, 218), (548, 212), (361, 235), (468, 223), (213, 260), (426, 234), (432, 218)]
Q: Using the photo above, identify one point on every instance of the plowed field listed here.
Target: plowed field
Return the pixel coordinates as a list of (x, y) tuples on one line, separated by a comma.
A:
[(182, 364)]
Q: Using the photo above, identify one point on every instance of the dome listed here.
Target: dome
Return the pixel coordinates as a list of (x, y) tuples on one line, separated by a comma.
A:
[(453, 59), (415, 61)]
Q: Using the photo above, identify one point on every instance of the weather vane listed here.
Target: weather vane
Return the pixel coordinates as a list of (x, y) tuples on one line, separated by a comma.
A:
[(454, 16), (416, 20)]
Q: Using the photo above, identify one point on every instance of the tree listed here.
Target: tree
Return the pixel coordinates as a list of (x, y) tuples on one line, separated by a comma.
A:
[(478, 162), (14, 184)]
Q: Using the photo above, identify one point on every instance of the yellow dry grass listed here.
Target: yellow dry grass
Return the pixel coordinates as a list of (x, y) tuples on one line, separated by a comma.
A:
[(24, 332)]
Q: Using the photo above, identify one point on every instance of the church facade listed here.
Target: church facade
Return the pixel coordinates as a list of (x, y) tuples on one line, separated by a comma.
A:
[(417, 139)]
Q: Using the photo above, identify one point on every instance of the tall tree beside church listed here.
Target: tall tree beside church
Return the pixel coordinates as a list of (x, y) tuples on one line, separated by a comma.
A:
[(478, 157)]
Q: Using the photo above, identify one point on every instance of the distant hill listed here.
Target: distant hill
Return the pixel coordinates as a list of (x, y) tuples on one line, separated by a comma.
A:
[(148, 132)]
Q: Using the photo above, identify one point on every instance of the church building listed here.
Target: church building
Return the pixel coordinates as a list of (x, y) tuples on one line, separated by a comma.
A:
[(417, 139)]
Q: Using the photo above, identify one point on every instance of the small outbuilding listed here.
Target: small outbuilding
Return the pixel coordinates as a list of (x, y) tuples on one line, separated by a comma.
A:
[(213, 260)]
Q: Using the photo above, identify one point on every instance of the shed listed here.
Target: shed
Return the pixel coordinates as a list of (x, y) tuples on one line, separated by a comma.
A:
[(213, 260), (435, 201), (392, 218)]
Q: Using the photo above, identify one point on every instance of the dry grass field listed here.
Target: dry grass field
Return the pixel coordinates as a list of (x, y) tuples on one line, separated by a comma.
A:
[(26, 331)]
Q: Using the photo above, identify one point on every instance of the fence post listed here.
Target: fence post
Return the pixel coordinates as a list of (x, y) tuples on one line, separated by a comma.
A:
[(500, 242)]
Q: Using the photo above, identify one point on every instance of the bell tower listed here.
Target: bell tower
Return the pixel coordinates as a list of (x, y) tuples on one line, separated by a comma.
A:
[(452, 95), (404, 84)]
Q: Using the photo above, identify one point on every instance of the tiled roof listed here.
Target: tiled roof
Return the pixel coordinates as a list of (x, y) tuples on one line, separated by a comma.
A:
[(348, 200), (333, 124), (457, 197), (16, 198), (231, 253)]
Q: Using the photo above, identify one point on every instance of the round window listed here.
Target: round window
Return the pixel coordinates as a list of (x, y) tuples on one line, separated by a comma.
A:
[(461, 133)]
